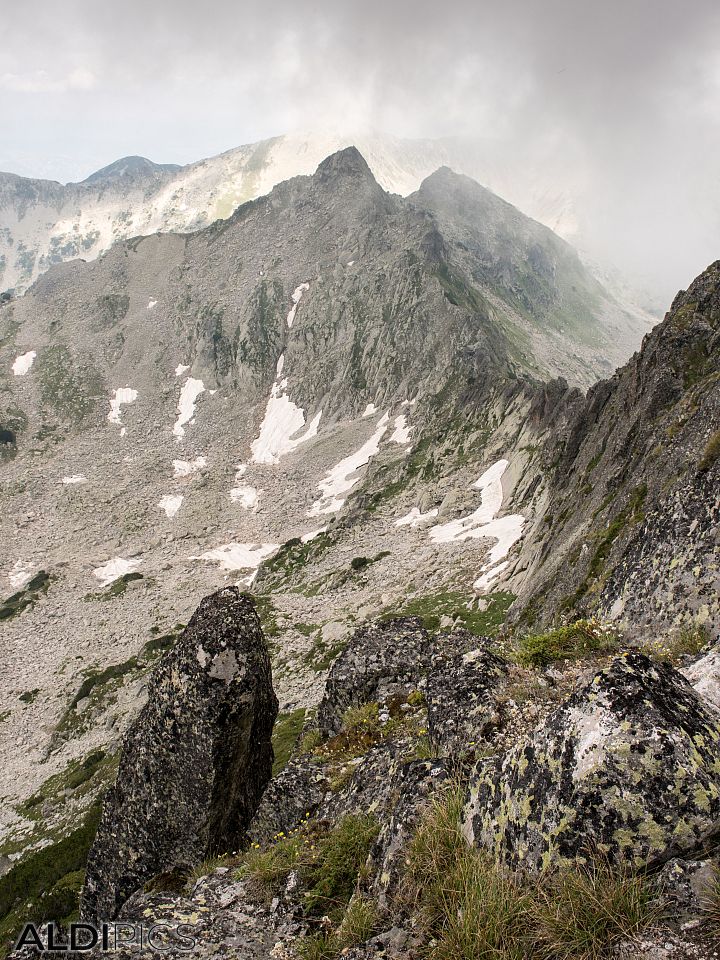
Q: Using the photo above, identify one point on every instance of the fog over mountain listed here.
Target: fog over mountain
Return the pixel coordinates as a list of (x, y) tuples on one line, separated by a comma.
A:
[(613, 104)]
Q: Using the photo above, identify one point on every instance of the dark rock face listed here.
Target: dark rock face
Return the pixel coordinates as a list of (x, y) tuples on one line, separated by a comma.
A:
[(196, 760), (461, 706), (381, 660), (630, 765)]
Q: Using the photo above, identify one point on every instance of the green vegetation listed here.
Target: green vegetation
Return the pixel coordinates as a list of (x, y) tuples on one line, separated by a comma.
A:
[(266, 612), (97, 686), (116, 589), (29, 696), (470, 908), (46, 884), (711, 452), (575, 640), (285, 736), (431, 608), (360, 563), (631, 513), (292, 556), (356, 926), (159, 644), (27, 597), (76, 777), (111, 308), (322, 654), (687, 641), (363, 729), (327, 863), (69, 387)]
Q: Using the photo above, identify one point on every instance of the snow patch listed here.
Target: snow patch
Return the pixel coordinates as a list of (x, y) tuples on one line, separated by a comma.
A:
[(121, 397), (181, 368), (21, 573), (243, 493), (369, 410), (114, 569), (307, 537), (282, 420), (189, 393), (296, 297), (170, 504), (23, 363), (340, 479), (76, 478), (151, 304), (401, 433), (483, 524), (239, 556), (415, 518), (184, 468)]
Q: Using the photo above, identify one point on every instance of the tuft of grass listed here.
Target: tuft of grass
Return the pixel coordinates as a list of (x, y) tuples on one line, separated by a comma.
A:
[(711, 452), (327, 863), (711, 907), (204, 869), (578, 639), (687, 641), (468, 907), (582, 913), (356, 927)]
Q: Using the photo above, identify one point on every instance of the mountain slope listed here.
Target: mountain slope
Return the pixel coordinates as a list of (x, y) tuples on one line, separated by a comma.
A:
[(630, 529), (343, 399)]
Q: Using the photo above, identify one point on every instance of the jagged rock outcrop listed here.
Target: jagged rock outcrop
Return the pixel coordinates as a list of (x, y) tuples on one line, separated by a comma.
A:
[(196, 760), (630, 528), (380, 661), (462, 685), (629, 765)]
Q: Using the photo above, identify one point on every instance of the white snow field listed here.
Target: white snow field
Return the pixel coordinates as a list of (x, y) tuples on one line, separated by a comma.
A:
[(239, 556), (282, 421), (22, 364), (121, 397), (483, 523), (415, 518), (21, 572), (401, 433), (114, 569), (77, 478), (296, 297), (341, 478), (189, 393)]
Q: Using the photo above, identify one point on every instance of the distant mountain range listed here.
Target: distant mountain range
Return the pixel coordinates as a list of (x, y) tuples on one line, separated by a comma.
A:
[(43, 222)]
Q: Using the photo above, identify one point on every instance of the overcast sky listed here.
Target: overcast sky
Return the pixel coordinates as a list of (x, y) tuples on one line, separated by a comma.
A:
[(617, 101)]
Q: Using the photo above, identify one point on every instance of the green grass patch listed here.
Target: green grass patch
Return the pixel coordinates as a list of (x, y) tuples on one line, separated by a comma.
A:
[(710, 453), (27, 597), (286, 733), (468, 907), (116, 589), (433, 607), (327, 863), (579, 639), (290, 558), (46, 884)]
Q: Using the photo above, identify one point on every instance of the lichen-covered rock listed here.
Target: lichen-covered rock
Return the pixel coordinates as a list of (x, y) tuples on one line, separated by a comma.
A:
[(686, 885), (380, 661), (629, 765), (196, 760), (462, 708), (412, 786), (704, 675), (293, 796)]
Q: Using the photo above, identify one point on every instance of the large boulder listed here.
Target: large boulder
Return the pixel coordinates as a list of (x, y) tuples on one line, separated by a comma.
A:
[(196, 760), (381, 660), (629, 766)]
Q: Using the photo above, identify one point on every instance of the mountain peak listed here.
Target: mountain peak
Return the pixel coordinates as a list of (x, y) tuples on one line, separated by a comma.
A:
[(129, 167), (348, 162)]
